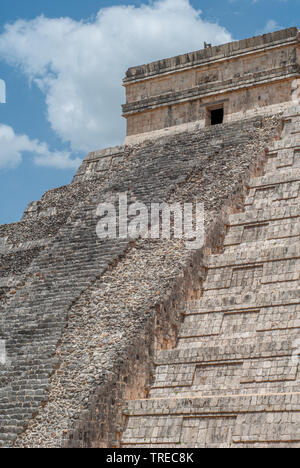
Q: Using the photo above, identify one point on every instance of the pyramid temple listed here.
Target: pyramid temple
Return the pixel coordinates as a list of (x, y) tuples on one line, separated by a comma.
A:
[(141, 342)]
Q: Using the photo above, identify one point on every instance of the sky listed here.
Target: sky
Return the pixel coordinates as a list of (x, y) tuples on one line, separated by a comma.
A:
[(61, 69)]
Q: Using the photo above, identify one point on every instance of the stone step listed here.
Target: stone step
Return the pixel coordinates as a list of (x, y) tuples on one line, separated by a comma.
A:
[(283, 159), (234, 318), (247, 337), (213, 353), (276, 188), (286, 241), (11, 281), (251, 269), (273, 213), (265, 202), (272, 234), (267, 318), (269, 224), (292, 112), (235, 368), (288, 140), (276, 178), (32, 212), (285, 143), (228, 378), (250, 280), (273, 195), (246, 301), (265, 254), (8, 249), (221, 421)]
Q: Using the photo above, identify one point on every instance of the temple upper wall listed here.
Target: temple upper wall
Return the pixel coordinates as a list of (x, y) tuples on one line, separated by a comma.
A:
[(214, 84)]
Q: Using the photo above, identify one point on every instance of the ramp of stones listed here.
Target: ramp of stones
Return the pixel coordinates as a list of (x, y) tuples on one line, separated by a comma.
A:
[(21, 242), (37, 310), (233, 380)]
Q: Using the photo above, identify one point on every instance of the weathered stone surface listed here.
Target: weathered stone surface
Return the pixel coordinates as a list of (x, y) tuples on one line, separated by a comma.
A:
[(203, 344), (242, 336), (248, 76), (69, 284)]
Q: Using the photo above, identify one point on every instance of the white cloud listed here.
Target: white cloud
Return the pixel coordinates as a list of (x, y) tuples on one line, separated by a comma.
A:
[(270, 26), (80, 65), (2, 92), (13, 146)]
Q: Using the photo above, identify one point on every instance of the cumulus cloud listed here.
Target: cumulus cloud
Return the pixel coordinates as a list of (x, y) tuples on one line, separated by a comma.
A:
[(12, 147), (79, 65), (270, 26), (2, 92)]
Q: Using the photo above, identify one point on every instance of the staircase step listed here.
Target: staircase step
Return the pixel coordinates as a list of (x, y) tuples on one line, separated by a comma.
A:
[(223, 421)]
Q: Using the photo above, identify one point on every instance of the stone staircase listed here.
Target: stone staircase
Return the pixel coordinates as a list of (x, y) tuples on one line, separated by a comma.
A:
[(23, 241), (59, 300), (233, 380)]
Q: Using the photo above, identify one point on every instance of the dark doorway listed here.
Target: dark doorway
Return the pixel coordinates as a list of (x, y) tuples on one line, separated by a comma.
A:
[(216, 116)]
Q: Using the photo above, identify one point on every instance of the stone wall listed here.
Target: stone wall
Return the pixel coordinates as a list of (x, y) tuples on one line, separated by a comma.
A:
[(82, 328), (240, 76), (233, 377)]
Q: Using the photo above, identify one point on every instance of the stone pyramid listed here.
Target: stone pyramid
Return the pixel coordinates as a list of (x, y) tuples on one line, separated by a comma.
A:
[(233, 379)]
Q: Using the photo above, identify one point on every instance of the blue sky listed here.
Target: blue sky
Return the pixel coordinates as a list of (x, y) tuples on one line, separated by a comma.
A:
[(63, 63)]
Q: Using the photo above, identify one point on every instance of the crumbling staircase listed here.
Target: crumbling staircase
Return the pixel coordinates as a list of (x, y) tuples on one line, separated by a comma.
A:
[(233, 380)]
